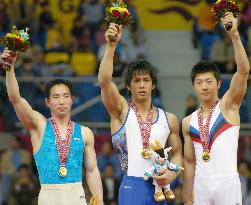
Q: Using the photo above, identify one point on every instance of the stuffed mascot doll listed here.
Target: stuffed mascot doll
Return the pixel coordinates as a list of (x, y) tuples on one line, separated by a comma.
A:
[(160, 158)]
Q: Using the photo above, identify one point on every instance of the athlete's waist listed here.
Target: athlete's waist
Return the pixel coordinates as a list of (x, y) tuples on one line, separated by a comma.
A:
[(216, 176), (134, 179), (77, 185)]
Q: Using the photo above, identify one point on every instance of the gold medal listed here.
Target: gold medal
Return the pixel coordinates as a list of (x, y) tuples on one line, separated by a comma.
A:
[(146, 153), (206, 156), (63, 171)]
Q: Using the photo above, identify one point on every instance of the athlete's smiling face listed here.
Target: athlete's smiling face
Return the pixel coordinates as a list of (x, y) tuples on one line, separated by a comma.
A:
[(60, 100)]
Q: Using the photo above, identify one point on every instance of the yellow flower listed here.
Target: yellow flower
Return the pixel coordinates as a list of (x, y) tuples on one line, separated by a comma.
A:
[(11, 35), (122, 10), (112, 8), (218, 1), (14, 36), (19, 38)]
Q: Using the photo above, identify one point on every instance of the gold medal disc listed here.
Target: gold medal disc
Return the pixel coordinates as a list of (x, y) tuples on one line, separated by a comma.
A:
[(206, 156), (145, 153), (63, 171)]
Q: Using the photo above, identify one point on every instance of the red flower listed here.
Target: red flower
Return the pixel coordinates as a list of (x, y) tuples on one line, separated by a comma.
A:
[(216, 8), (115, 13), (24, 48), (223, 4), (18, 41), (234, 8), (125, 14)]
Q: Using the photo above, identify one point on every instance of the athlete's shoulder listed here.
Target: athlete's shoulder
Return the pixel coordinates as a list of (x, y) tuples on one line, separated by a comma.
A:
[(185, 123), (85, 129), (171, 116), (87, 133), (187, 119), (173, 121)]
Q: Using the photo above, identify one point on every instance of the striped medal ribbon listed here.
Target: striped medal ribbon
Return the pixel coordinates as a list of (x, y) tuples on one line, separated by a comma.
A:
[(63, 146), (145, 129), (204, 130)]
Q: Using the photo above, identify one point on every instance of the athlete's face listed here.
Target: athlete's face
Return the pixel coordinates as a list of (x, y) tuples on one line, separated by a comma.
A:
[(141, 86), (206, 86), (60, 100)]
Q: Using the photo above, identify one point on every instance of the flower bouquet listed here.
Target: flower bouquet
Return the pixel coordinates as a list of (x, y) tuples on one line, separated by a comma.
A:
[(221, 7), (119, 15), (16, 40)]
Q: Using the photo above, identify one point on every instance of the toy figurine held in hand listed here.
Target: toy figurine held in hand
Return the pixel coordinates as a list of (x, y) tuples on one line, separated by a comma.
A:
[(119, 15), (160, 157), (222, 7)]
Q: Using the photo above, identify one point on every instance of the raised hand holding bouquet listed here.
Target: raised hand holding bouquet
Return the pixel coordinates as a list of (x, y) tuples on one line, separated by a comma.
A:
[(119, 15), (15, 41), (222, 7)]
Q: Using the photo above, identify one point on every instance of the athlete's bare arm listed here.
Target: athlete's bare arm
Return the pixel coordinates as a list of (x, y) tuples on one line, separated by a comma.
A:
[(231, 101), (189, 163), (176, 152), (115, 104), (92, 172), (24, 111)]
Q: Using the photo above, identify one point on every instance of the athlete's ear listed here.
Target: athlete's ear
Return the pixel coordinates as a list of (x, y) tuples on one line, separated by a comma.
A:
[(219, 84), (47, 101), (153, 87), (128, 88)]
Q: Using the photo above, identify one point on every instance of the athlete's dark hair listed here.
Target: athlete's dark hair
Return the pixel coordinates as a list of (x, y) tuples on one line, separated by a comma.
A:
[(140, 67), (205, 67), (52, 83)]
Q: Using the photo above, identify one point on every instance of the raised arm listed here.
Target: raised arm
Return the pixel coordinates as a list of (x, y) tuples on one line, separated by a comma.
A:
[(92, 172), (189, 163), (233, 97), (176, 152), (24, 111), (111, 97)]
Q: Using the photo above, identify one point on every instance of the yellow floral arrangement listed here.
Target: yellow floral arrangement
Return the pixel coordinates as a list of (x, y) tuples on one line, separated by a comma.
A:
[(16, 40), (118, 13)]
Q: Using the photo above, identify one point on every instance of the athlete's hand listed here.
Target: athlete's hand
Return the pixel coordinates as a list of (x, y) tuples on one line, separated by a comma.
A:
[(165, 178), (145, 177), (188, 203), (114, 32), (7, 59), (230, 19), (94, 200)]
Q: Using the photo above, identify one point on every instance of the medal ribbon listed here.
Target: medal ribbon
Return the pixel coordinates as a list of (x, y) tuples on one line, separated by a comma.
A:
[(204, 129), (145, 127), (62, 146)]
